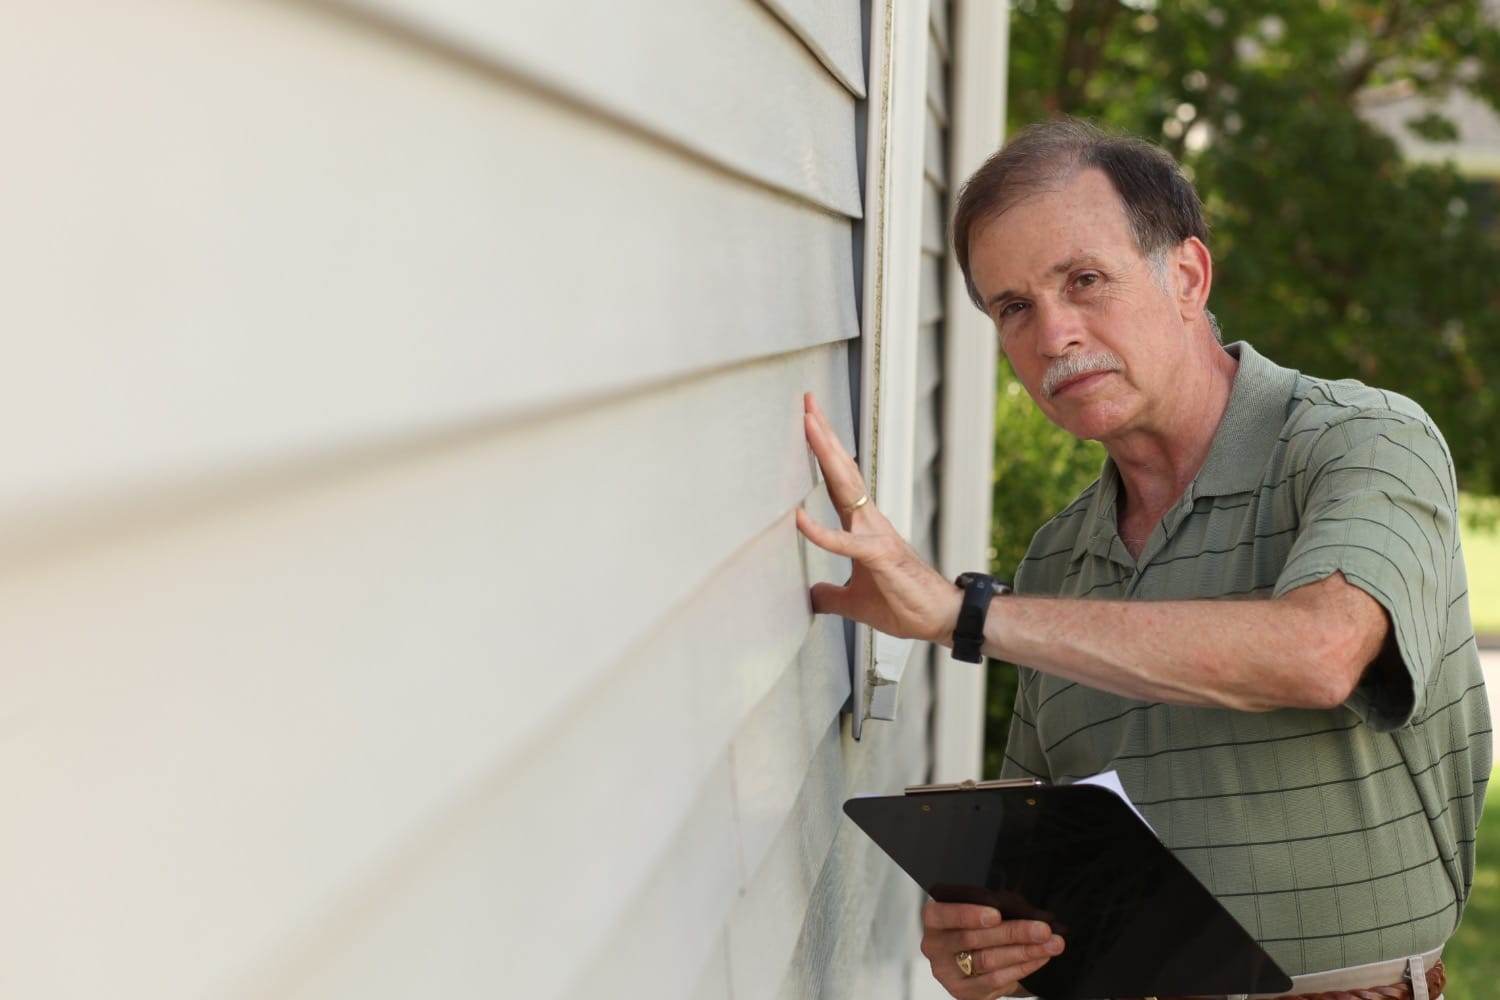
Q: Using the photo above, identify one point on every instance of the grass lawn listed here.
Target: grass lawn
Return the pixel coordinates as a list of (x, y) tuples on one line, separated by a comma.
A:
[(1473, 953), (1482, 560)]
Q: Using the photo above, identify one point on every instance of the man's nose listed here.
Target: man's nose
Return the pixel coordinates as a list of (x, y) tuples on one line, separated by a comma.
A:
[(1059, 329)]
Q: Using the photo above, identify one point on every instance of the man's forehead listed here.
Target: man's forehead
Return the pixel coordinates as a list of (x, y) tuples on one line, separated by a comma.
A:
[(1052, 230), (1088, 197)]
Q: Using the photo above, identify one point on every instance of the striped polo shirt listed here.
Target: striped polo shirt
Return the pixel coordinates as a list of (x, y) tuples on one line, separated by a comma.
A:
[(1335, 837)]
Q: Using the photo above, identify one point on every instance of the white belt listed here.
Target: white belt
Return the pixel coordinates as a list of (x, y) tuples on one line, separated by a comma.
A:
[(1358, 977)]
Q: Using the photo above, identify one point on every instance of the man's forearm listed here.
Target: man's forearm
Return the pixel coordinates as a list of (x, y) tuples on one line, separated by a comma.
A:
[(1307, 649)]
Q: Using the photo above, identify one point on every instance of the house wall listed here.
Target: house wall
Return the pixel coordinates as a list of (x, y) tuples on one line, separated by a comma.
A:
[(399, 591)]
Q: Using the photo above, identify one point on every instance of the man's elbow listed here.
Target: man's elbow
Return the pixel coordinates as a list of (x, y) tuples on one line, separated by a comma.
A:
[(1337, 664), (1332, 689), (1340, 631)]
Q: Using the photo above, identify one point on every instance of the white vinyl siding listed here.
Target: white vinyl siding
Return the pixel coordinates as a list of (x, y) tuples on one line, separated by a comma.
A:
[(931, 309), (399, 590)]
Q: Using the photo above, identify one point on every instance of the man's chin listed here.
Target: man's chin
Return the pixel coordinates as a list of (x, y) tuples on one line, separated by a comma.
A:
[(1088, 423)]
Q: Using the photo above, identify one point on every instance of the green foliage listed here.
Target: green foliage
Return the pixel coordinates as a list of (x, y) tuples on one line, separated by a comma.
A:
[(1038, 469), (1471, 958), (1433, 127), (1332, 255)]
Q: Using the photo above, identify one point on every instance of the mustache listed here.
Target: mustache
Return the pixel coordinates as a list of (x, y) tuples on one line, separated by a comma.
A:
[(1073, 365)]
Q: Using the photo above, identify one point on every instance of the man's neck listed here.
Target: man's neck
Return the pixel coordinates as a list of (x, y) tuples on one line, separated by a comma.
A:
[(1157, 465)]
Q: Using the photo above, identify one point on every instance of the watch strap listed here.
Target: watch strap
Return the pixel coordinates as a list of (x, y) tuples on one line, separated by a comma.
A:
[(968, 636)]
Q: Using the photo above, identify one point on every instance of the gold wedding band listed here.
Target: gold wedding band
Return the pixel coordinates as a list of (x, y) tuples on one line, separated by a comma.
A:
[(856, 505), (965, 962)]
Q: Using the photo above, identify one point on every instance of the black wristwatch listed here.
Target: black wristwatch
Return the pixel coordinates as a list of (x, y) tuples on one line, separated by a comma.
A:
[(968, 636)]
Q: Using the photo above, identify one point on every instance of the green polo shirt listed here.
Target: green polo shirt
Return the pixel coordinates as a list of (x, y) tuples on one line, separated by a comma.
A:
[(1335, 837)]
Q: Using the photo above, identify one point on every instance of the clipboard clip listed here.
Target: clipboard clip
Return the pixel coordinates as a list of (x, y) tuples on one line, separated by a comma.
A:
[(970, 785)]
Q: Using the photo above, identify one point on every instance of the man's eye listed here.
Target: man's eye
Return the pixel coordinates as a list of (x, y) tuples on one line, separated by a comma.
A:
[(1086, 280), (1010, 309)]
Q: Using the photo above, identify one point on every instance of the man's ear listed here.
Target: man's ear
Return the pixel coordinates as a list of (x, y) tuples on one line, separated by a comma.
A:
[(1195, 277)]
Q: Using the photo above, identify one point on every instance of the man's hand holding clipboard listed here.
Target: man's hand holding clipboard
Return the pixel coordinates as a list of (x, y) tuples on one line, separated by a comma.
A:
[(1078, 861)]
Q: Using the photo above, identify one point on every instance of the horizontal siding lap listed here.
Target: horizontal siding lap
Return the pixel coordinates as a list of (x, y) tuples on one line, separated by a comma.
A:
[(937, 81), (449, 934), (675, 704), (842, 910), (924, 519), (430, 763), (399, 585), (233, 308), (763, 927), (927, 444), (673, 927), (884, 970), (930, 302), (927, 549), (929, 363), (940, 27), (828, 888), (928, 440), (934, 220), (591, 821), (630, 451), (935, 159), (714, 983), (793, 130), (773, 748), (925, 516), (832, 32), (781, 894), (422, 756)]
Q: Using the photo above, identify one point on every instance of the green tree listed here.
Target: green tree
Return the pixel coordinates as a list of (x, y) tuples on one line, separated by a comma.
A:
[(1332, 255), (1038, 469)]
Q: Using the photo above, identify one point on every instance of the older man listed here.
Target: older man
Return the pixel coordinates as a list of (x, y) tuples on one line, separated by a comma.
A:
[(1257, 614)]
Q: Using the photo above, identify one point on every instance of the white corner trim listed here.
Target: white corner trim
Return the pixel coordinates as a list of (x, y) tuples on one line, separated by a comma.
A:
[(980, 49), (892, 268)]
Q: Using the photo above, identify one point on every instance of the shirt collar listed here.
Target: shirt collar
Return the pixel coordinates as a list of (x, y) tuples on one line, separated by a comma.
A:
[(1100, 532), (1250, 427)]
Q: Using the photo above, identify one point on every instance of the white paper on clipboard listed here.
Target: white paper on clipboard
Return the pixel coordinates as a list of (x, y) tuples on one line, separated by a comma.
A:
[(1111, 781)]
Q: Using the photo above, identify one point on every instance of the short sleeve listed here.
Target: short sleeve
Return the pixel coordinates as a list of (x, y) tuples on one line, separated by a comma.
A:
[(1378, 504)]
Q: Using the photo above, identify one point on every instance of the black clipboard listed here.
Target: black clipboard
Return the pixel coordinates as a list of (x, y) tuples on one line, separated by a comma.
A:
[(1136, 922)]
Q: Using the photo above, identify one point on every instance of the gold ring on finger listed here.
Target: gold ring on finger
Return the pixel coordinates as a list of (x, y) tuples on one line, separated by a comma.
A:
[(965, 962), (864, 498)]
